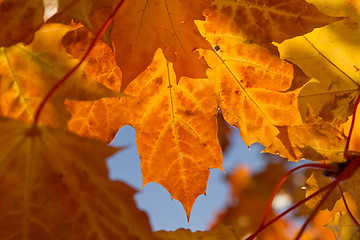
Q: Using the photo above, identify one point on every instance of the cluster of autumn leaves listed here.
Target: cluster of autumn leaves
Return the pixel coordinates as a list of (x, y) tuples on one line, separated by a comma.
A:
[(165, 68)]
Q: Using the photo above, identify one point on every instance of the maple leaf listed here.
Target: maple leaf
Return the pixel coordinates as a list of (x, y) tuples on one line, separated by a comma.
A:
[(96, 119), (313, 184), (56, 186), (330, 55), (250, 84), (27, 73), (314, 139), (170, 117), (141, 27), (29, 18), (220, 232), (176, 148), (264, 21), (92, 14), (343, 227)]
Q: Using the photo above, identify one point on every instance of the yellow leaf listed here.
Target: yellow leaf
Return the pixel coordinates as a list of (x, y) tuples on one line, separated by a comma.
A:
[(314, 139), (29, 72), (331, 55), (20, 20), (343, 227), (352, 185), (141, 27), (313, 184), (56, 186), (264, 21), (219, 233)]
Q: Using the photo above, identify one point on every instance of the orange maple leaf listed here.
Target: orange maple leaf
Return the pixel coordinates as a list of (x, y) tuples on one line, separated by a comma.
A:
[(176, 149), (175, 145), (264, 21), (141, 27)]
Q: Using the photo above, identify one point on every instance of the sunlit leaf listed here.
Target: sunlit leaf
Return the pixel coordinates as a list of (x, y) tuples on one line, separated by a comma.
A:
[(264, 21), (250, 83), (330, 55), (96, 119), (141, 27), (176, 148), (313, 184), (176, 122), (343, 227), (315, 140)]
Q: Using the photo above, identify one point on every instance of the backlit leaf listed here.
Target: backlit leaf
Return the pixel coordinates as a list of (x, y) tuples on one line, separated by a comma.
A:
[(315, 140), (56, 186), (27, 73), (316, 181), (343, 227), (331, 56), (264, 21), (19, 20), (250, 84), (176, 148), (96, 119), (141, 27), (176, 122)]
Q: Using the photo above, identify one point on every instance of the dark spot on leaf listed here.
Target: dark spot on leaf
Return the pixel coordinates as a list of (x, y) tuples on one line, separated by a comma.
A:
[(158, 80), (217, 48)]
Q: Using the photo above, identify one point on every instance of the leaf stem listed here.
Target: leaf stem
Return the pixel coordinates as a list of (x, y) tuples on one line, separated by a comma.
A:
[(314, 212), (345, 174), (347, 207), (67, 75), (346, 152), (278, 185), (288, 210), (282, 180)]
